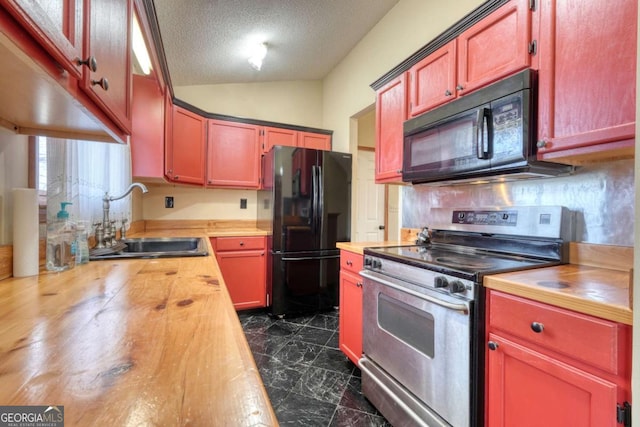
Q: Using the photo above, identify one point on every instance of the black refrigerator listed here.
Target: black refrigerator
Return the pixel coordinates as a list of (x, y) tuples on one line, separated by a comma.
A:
[(306, 207)]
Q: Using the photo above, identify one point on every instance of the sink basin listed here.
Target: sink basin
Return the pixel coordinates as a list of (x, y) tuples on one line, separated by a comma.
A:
[(157, 247)]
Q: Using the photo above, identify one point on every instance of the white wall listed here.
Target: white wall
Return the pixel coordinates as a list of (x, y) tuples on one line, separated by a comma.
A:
[(293, 102), (198, 203), (14, 171)]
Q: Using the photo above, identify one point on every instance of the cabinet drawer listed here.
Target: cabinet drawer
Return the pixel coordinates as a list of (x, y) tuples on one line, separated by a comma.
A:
[(351, 261), (595, 341), (239, 243)]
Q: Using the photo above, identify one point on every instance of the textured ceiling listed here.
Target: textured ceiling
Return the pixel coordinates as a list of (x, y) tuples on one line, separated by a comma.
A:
[(206, 41)]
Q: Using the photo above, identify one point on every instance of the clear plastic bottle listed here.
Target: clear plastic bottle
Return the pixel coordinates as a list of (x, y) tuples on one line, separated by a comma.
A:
[(61, 241), (82, 242)]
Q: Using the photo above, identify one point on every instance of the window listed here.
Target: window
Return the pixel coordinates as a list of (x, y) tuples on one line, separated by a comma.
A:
[(81, 172)]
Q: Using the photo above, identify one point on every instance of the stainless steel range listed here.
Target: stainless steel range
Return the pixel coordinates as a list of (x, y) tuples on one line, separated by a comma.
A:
[(423, 308)]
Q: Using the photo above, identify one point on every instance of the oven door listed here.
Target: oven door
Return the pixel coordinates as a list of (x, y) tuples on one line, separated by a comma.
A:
[(416, 340)]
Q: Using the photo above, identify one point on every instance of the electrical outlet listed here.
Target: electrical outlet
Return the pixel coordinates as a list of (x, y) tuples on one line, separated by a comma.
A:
[(243, 203), (168, 202)]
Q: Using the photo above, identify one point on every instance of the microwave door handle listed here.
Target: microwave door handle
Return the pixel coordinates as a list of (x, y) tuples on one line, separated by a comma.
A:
[(484, 133)]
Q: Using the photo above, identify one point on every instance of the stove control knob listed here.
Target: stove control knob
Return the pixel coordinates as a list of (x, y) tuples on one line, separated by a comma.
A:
[(367, 261), (441, 282), (376, 263), (457, 287)]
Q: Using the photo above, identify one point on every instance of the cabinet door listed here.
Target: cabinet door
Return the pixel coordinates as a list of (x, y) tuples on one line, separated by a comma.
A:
[(350, 338), (55, 24), (587, 80), (527, 388), (244, 273), (495, 47), (107, 38), (147, 135), (391, 112), (432, 81), (277, 136), (316, 141), (186, 147), (233, 155)]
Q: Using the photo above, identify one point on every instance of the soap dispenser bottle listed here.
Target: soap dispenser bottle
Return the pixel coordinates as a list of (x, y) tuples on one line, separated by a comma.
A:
[(61, 241)]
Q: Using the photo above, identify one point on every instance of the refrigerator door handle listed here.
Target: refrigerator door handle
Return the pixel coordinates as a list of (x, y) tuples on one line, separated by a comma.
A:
[(320, 211), (314, 199)]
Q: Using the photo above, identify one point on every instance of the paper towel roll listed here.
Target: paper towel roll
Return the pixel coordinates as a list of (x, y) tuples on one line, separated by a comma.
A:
[(25, 232)]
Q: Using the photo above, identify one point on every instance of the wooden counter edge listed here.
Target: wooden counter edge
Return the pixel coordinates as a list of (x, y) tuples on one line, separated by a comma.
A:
[(603, 310)]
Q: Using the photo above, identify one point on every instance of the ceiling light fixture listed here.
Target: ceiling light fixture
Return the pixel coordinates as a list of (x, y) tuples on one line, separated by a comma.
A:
[(258, 53)]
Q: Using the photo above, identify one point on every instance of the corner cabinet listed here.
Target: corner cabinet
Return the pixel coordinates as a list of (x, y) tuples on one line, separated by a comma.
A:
[(553, 367), (587, 80), (242, 262), (185, 146), (233, 155), (350, 338), (147, 133), (391, 112)]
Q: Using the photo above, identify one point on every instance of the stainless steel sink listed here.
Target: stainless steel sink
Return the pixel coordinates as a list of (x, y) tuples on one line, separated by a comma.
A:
[(157, 247)]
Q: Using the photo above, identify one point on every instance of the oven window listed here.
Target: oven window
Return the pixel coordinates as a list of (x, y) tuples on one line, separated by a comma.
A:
[(410, 325)]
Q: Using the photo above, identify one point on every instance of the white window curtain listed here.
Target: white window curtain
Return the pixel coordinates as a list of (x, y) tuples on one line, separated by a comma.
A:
[(81, 172)]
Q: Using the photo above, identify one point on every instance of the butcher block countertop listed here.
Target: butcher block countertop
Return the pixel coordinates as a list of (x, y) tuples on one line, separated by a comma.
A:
[(598, 281), (130, 342)]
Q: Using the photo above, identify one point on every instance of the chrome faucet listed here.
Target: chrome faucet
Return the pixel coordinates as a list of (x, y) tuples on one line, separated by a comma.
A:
[(108, 228)]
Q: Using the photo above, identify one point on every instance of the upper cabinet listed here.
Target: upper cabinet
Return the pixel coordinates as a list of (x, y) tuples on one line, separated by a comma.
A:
[(272, 136), (148, 133), (587, 80), (233, 155), (465, 63), (391, 112), (106, 76), (317, 141), (56, 24), (185, 146), (67, 68)]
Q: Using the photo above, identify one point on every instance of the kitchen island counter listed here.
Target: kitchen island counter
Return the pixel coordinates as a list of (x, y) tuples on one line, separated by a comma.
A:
[(120, 342)]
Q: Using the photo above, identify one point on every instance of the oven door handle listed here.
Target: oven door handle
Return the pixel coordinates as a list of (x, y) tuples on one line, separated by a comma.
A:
[(462, 308)]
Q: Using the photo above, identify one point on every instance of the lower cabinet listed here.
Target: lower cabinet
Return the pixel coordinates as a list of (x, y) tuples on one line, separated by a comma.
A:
[(553, 367), (350, 335), (242, 261)]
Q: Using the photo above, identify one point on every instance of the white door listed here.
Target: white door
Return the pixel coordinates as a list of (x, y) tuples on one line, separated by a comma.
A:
[(370, 196)]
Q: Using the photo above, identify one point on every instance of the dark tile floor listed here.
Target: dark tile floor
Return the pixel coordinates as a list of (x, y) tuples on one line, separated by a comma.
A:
[(309, 380)]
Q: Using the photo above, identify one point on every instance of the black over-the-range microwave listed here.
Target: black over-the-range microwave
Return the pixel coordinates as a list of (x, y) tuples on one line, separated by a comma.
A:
[(487, 135)]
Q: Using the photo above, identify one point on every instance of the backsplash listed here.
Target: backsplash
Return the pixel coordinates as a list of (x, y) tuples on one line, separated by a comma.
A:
[(602, 197)]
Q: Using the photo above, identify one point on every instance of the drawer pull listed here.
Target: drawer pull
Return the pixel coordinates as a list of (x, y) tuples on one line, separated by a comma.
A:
[(359, 284), (537, 327), (492, 345), (241, 243), (349, 262)]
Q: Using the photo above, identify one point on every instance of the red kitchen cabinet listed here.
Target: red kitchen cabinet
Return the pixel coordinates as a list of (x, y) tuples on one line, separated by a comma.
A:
[(185, 146), (242, 262), (147, 134), (233, 155), (350, 338), (278, 136), (317, 141), (466, 63), (391, 112), (107, 38), (56, 25), (495, 47), (433, 80), (587, 80), (553, 367)]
